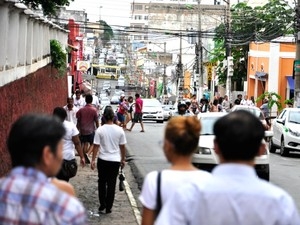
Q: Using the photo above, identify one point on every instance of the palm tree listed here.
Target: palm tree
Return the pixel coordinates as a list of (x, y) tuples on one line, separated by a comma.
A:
[(273, 98)]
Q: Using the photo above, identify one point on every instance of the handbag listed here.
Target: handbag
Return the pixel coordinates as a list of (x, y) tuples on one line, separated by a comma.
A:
[(158, 195), (121, 181), (69, 168)]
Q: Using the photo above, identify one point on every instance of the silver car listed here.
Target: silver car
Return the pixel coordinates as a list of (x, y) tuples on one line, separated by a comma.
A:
[(205, 157)]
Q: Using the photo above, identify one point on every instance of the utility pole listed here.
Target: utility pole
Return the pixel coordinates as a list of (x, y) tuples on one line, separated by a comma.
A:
[(180, 72), (164, 76), (228, 39), (200, 52), (297, 59)]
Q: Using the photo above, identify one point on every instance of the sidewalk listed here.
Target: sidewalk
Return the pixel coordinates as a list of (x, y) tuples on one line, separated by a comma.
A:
[(124, 211)]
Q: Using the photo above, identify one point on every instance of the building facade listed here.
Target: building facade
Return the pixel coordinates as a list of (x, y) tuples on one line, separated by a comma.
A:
[(270, 68)]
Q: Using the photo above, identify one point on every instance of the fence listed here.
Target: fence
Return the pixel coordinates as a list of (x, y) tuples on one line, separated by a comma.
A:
[(25, 41)]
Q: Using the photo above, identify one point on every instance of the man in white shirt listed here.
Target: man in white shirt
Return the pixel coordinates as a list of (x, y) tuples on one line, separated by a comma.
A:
[(71, 110), (246, 101), (235, 195), (79, 101), (226, 104)]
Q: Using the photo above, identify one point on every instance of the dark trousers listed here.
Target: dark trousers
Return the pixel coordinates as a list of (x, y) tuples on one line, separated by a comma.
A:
[(107, 179)]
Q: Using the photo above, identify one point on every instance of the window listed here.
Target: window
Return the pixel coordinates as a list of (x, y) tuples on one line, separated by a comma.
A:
[(145, 17), (138, 7), (137, 17)]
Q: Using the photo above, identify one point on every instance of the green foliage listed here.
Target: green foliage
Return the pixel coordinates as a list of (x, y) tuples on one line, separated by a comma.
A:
[(289, 101), (49, 7), (108, 33), (58, 57), (273, 98), (261, 24)]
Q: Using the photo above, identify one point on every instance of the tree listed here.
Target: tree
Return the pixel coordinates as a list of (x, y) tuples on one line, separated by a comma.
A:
[(261, 24), (108, 33), (273, 99), (49, 7)]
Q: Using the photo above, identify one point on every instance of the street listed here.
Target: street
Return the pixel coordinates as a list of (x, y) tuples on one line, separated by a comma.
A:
[(147, 156)]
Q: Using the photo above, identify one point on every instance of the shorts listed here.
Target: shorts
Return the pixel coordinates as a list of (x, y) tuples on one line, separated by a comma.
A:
[(138, 117), (121, 117), (87, 138)]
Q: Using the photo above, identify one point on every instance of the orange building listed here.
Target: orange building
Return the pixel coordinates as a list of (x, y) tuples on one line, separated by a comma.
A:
[(270, 68)]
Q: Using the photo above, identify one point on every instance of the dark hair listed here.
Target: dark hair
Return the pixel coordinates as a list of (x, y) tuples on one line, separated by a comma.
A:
[(29, 135), (130, 98), (137, 95), (60, 113), (239, 135), (215, 102), (88, 98), (220, 100), (108, 113), (183, 132)]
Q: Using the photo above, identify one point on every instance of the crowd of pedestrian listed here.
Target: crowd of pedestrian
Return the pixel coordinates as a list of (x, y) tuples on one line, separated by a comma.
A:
[(42, 149)]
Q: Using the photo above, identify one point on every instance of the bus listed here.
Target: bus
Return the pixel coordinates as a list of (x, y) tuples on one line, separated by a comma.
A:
[(109, 71)]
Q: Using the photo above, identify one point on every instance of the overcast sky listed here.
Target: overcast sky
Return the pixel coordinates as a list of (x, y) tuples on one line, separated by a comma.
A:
[(113, 12)]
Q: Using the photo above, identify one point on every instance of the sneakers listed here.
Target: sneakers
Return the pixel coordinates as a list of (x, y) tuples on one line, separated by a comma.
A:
[(101, 208)]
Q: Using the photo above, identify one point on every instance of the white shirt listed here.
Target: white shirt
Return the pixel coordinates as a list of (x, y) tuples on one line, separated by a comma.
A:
[(247, 102), (234, 196), (79, 103), (110, 137), (71, 114), (68, 146), (95, 102), (226, 105), (170, 181)]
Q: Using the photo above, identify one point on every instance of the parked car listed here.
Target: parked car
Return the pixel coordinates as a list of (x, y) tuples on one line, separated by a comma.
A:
[(286, 129), (254, 110), (115, 99), (205, 156), (102, 95), (105, 101), (152, 110), (167, 111)]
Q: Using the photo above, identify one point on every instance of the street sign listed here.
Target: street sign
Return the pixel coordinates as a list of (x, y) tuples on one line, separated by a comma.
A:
[(209, 73), (297, 65), (83, 65), (210, 64)]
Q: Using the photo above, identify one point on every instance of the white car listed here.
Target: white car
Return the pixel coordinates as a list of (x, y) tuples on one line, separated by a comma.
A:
[(167, 111), (105, 101), (152, 110), (286, 129), (254, 110), (205, 157)]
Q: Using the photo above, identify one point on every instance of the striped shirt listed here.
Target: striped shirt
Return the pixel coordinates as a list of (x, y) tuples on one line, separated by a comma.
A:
[(27, 197)]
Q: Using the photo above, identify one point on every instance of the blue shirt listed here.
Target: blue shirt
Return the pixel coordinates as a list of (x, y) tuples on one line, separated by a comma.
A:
[(27, 197)]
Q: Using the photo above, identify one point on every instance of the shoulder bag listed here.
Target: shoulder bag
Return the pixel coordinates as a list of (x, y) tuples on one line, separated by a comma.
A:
[(158, 194), (69, 168)]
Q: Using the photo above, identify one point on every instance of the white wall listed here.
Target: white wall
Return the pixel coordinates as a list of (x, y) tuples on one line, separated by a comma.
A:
[(25, 41)]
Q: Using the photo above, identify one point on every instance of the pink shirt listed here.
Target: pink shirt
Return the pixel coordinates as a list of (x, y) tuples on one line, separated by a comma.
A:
[(138, 105), (87, 117)]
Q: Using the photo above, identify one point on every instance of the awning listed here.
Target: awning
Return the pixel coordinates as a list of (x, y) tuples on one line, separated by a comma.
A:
[(291, 82), (260, 75)]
